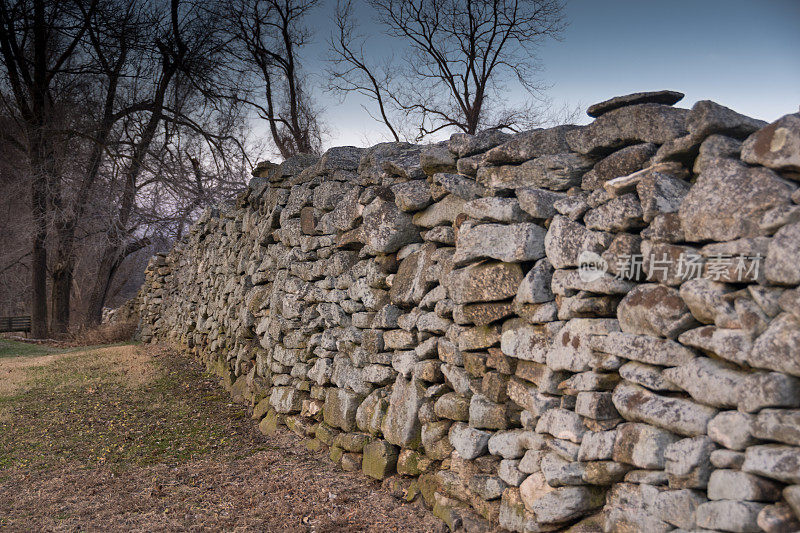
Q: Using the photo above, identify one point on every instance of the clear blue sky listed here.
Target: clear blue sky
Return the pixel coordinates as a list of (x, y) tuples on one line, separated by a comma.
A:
[(742, 54)]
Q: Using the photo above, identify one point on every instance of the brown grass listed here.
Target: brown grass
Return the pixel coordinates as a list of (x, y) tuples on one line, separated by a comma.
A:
[(136, 438), (108, 333)]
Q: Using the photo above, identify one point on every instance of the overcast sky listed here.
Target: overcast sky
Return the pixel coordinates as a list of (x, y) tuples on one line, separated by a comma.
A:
[(744, 54)]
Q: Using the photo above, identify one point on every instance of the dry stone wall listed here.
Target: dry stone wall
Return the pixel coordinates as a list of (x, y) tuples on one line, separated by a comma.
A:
[(588, 327)]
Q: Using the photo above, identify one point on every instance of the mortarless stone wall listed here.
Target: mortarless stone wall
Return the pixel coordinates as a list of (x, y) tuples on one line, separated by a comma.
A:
[(419, 310)]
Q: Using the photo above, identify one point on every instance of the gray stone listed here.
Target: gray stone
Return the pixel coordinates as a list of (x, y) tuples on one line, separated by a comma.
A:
[(573, 207), (632, 124), (401, 425), (570, 349), (535, 287), (678, 507), (642, 445), (653, 97), (285, 399), (340, 408), (707, 118), (539, 203), (660, 193), (437, 158), (620, 214), (496, 210), (792, 496), (458, 379), (674, 414), (559, 472), (688, 463), (651, 478), (442, 212), (782, 425), (655, 310), (647, 376), (487, 487), (733, 485), (371, 412), (460, 186), (779, 216), (775, 146), (412, 195), (704, 298), (643, 348), (729, 344), (512, 243), (512, 444), (529, 398), (778, 518), (727, 459), (778, 348), (452, 406), (783, 256), (485, 282), (470, 443), (597, 445), (631, 507), (566, 503), (596, 405), (731, 429), (556, 172), (530, 144), (562, 424), (387, 229), (774, 461), (620, 163), (708, 381), (380, 459), (739, 517), (768, 389), (566, 240), (728, 200), (463, 144), (509, 472), (486, 414), (531, 461)]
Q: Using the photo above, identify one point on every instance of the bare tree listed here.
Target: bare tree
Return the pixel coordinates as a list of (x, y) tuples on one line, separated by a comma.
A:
[(267, 37), (351, 70), (38, 44), (185, 54), (127, 144), (461, 55)]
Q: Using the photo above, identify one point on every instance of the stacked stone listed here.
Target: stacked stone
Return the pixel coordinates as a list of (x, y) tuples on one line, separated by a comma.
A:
[(426, 311)]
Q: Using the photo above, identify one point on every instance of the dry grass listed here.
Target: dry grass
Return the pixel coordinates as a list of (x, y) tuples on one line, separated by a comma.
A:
[(125, 365), (108, 333), (136, 438)]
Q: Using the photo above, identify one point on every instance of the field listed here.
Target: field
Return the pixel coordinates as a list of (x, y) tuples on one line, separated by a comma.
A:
[(136, 438)]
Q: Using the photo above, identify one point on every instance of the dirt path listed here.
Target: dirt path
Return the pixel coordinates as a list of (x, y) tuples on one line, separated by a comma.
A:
[(135, 438)]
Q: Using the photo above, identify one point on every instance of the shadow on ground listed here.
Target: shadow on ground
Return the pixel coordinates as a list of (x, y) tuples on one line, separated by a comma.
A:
[(135, 437)]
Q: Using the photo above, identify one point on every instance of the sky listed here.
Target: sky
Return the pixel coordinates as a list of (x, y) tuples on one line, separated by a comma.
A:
[(741, 54)]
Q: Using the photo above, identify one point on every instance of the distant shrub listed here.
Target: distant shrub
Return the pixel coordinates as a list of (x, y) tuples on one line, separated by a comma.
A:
[(108, 333)]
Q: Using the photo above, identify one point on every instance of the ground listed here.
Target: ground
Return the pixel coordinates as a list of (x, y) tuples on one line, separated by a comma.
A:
[(137, 438)]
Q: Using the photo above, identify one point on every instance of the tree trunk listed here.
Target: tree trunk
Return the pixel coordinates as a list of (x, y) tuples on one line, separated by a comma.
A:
[(105, 272), (60, 293), (39, 265)]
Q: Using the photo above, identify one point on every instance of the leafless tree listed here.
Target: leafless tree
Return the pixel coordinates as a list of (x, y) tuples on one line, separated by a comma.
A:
[(352, 71), (266, 39), (461, 55), (108, 132), (185, 54), (39, 44)]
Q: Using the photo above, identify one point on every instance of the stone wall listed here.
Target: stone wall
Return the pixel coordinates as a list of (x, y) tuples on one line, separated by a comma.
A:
[(420, 311)]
